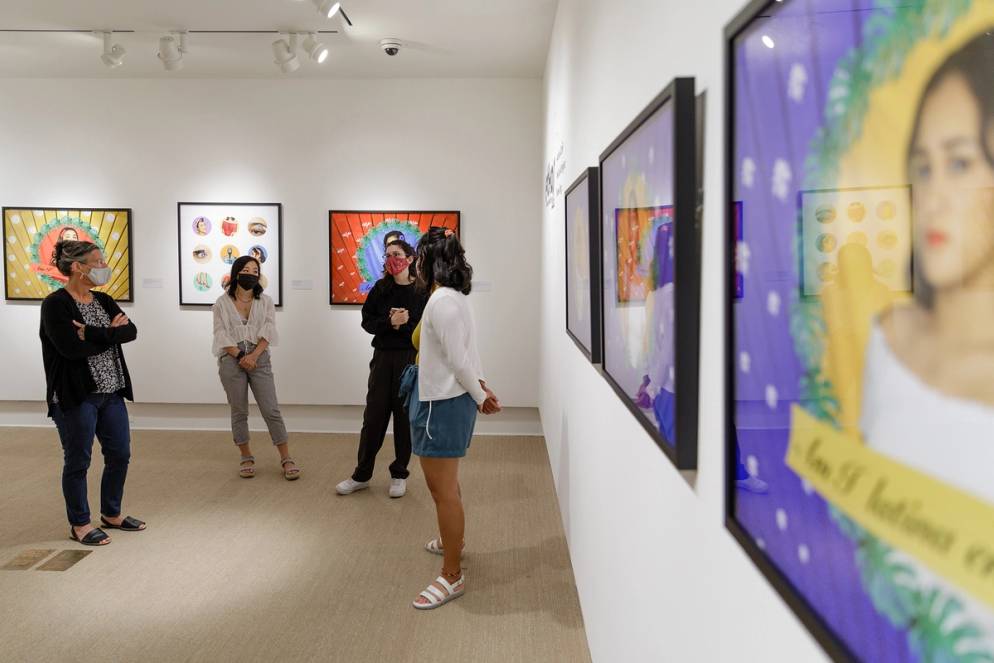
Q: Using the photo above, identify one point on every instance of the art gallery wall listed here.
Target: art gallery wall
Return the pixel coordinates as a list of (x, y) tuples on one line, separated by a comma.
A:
[(659, 577), (471, 145)]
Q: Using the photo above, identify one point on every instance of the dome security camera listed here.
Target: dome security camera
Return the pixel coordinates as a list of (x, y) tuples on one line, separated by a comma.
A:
[(391, 46)]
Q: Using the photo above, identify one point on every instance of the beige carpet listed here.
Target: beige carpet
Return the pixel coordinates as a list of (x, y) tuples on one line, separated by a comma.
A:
[(265, 570)]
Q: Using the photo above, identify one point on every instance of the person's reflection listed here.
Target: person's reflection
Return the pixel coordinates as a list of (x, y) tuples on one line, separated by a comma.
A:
[(849, 305), (743, 479)]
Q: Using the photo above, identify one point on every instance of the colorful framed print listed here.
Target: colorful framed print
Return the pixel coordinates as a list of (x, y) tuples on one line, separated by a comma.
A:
[(583, 281), (358, 241), (860, 343), (650, 253), (212, 236), (29, 238)]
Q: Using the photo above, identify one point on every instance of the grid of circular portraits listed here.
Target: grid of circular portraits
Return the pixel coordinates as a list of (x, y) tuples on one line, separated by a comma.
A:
[(212, 236)]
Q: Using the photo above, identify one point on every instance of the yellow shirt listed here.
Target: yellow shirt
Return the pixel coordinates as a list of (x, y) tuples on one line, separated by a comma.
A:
[(416, 336)]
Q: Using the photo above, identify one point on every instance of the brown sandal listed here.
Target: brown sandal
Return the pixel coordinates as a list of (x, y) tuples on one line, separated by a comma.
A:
[(247, 471), (293, 473)]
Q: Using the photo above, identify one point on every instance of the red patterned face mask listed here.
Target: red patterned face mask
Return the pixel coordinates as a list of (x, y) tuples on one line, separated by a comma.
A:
[(395, 265)]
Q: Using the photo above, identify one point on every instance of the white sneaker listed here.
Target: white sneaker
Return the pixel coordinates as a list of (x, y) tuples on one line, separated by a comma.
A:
[(349, 486), (398, 487), (753, 485)]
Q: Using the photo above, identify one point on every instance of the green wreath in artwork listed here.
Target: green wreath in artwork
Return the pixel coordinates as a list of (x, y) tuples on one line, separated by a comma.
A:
[(44, 244), (369, 255), (933, 619)]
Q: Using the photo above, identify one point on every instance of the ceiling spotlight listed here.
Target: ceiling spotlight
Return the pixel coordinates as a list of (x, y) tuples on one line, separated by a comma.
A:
[(113, 55), (286, 54), (171, 51), (315, 49), (328, 9)]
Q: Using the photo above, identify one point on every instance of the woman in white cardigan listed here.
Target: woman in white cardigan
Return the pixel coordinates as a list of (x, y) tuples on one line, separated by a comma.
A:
[(244, 328), (443, 394)]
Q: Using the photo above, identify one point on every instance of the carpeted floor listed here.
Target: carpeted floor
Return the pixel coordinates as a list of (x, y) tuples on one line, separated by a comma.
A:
[(265, 570)]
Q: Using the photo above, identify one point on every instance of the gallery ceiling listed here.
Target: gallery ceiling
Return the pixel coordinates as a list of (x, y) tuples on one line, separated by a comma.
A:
[(442, 38)]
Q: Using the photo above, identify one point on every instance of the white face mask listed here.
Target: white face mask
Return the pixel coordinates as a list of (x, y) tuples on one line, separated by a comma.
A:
[(99, 275)]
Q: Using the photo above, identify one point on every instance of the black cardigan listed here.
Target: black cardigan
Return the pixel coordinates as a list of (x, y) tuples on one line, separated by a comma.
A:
[(376, 313), (67, 371)]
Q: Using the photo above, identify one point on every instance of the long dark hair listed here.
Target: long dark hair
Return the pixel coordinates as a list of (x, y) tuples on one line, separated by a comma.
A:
[(68, 251), (408, 252), (442, 260), (974, 62), (236, 269)]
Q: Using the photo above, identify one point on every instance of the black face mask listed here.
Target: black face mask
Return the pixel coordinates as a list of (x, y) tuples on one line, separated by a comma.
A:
[(248, 281)]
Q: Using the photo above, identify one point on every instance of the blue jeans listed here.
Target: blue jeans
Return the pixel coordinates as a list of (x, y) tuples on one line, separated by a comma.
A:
[(106, 417)]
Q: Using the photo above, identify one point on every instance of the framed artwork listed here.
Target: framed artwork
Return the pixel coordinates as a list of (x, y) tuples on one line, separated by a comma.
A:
[(29, 238), (358, 241), (213, 235), (650, 253), (858, 442), (583, 282)]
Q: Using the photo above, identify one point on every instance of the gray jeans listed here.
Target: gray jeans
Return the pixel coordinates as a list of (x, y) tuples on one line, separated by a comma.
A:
[(236, 382)]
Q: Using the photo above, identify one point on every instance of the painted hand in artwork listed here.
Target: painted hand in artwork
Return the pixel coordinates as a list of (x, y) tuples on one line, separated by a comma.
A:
[(642, 398)]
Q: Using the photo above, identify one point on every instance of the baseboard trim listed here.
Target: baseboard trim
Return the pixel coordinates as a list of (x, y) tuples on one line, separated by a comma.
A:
[(518, 421)]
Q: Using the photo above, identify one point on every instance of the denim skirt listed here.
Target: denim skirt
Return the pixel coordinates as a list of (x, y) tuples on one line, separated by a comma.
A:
[(439, 429)]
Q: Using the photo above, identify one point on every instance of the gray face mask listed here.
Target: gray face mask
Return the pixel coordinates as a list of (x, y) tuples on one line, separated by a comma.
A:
[(99, 275)]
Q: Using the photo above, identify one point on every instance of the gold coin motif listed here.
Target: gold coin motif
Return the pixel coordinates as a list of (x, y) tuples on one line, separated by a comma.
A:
[(826, 242), (856, 211), (825, 214), (887, 268), (827, 272), (887, 239), (886, 210)]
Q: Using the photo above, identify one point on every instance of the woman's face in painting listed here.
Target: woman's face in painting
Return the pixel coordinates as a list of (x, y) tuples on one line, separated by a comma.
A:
[(952, 188), (70, 235)]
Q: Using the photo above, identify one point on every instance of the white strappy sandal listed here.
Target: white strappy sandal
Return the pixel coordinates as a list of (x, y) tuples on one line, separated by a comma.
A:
[(435, 548), (436, 598)]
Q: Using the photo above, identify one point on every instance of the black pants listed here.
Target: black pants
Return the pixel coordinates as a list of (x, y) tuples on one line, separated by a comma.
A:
[(382, 400)]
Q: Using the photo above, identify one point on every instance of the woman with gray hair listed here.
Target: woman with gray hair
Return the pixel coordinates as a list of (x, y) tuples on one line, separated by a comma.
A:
[(87, 381)]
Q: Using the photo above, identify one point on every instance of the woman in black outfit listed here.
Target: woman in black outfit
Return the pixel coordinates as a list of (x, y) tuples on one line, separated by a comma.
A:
[(87, 381), (391, 312)]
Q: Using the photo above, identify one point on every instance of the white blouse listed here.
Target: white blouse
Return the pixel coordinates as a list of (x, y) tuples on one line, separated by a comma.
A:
[(912, 422), (229, 330), (449, 362)]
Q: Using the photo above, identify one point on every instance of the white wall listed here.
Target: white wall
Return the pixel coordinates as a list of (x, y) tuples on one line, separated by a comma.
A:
[(659, 577), (471, 145)]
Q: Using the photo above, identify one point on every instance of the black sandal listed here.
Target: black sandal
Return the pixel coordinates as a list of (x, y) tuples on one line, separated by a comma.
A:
[(95, 537), (129, 524)]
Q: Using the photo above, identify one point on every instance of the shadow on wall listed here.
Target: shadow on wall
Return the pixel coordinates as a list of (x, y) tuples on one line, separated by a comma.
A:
[(562, 477)]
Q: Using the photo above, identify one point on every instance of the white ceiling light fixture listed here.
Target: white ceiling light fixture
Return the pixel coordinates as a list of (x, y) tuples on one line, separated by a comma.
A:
[(171, 51), (328, 9), (113, 55), (315, 49), (286, 54)]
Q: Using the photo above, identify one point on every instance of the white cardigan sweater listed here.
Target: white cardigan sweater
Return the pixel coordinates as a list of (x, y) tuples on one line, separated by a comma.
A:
[(229, 330), (449, 363)]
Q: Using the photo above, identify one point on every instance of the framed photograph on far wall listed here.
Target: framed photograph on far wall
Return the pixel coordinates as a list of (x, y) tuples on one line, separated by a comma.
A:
[(583, 281), (213, 235), (29, 238), (650, 253), (357, 244), (859, 356)]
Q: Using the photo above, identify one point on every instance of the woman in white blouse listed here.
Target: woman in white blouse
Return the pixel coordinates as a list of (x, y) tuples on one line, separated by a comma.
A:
[(443, 394), (244, 328)]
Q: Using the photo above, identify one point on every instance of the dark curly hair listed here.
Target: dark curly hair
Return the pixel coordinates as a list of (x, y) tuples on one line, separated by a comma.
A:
[(68, 251), (442, 260), (236, 269)]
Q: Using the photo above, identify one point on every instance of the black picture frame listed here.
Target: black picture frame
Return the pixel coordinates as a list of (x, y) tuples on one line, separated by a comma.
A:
[(592, 178), (131, 251), (331, 233), (687, 271), (823, 634), (179, 245)]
